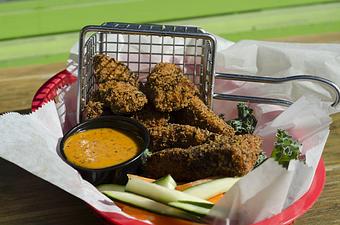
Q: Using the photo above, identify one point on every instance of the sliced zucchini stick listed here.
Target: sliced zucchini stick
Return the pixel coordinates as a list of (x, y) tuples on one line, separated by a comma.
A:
[(167, 181), (150, 205), (211, 188), (159, 193), (200, 204), (130, 176), (111, 187), (201, 211)]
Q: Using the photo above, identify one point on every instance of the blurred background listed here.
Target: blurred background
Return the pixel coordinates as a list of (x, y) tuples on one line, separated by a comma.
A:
[(36, 35)]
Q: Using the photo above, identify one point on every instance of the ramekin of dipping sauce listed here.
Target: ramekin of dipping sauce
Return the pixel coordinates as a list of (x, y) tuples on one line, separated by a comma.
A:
[(105, 149)]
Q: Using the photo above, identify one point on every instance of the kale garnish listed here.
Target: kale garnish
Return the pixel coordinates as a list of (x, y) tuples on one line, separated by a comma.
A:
[(285, 148), (260, 159), (246, 121)]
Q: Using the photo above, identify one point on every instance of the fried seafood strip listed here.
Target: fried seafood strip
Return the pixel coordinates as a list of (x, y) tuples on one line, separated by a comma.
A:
[(168, 88), (108, 69), (198, 114), (122, 97), (150, 117), (222, 157), (176, 136)]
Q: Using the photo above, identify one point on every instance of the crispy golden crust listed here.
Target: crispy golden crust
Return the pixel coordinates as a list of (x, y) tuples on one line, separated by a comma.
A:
[(198, 114), (176, 136), (168, 89), (122, 97), (221, 157), (108, 69), (93, 109), (150, 117)]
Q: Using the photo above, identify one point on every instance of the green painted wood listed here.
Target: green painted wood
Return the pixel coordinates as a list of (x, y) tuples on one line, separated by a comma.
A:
[(37, 17), (266, 24)]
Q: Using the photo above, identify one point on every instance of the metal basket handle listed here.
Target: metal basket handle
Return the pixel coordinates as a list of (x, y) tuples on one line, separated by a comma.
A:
[(272, 80)]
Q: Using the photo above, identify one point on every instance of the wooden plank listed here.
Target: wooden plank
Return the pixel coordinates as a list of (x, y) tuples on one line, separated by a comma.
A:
[(321, 18), (285, 22), (27, 199), (333, 37), (326, 209), (46, 17), (18, 85), (42, 50)]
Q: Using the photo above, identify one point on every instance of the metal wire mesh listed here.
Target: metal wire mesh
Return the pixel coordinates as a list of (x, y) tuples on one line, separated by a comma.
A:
[(141, 47)]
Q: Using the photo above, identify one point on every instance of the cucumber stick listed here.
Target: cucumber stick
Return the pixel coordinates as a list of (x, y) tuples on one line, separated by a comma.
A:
[(167, 182), (149, 205), (195, 209), (211, 188), (111, 187), (200, 204), (159, 193)]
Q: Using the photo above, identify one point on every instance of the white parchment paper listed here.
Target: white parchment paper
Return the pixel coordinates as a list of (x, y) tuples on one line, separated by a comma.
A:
[(270, 188), (30, 141)]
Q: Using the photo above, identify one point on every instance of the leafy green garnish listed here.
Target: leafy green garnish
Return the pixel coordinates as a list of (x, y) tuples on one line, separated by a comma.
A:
[(285, 149), (246, 121), (261, 158)]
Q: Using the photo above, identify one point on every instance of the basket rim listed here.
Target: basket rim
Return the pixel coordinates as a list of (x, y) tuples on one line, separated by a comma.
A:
[(47, 91)]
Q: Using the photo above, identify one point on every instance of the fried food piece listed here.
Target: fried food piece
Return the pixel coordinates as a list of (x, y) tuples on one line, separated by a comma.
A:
[(150, 117), (108, 69), (220, 157), (122, 97), (93, 109), (198, 114), (176, 136), (168, 89)]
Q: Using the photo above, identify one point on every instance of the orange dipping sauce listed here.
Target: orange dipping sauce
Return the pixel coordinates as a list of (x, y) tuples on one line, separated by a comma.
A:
[(100, 148)]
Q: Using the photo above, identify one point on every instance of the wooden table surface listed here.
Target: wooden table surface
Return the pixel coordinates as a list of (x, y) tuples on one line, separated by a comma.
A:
[(26, 199)]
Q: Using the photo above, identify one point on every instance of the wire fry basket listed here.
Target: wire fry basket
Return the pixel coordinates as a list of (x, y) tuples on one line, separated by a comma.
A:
[(142, 46)]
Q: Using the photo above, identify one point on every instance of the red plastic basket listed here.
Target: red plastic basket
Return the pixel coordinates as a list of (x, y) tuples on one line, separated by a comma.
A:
[(48, 91)]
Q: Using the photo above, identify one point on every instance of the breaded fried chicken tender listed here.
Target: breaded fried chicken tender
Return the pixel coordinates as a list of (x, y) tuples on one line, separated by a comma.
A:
[(198, 114), (117, 88), (150, 117), (122, 97), (108, 69), (94, 107), (168, 89), (220, 157), (176, 136)]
